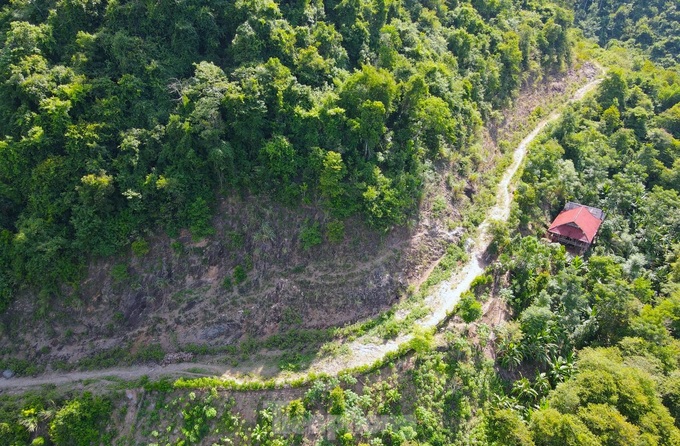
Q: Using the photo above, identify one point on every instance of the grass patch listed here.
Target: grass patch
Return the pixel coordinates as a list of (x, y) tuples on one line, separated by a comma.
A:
[(454, 257)]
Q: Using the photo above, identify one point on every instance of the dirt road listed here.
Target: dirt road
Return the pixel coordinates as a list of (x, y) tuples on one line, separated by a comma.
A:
[(364, 352)]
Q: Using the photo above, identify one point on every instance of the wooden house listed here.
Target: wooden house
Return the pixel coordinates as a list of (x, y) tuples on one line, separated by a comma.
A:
[(576, 225)]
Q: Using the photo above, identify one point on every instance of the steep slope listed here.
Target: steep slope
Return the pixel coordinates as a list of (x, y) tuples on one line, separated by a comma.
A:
[(174, 298), (234, 170), (123, 120)]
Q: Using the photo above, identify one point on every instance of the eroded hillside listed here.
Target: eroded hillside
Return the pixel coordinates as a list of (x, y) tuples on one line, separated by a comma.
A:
[(255, 277)]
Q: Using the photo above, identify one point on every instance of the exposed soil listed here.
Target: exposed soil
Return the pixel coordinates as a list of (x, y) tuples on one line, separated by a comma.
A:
[(175, 295)]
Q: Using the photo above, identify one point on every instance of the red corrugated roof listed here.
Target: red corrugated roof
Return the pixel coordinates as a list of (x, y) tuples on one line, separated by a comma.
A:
[(577, 224)]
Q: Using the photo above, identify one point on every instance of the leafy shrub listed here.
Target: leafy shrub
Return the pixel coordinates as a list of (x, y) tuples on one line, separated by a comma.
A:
[(310, 236), (105, 358), (120, 273), (240, 275), (290, 317), (80, 422), (6, 293), (21, 367), (347, 439), (670, 392), (196, 417), (390, 329), (423, 340), (337, 401), (236, 240), (200, 217), (150, 353), (296, 409), (291, 362), (12, 433), (469, 308), (438, 206), (335, 231), (481, 283), (177, 247), (500, 237), (162, 385), (140, 248)]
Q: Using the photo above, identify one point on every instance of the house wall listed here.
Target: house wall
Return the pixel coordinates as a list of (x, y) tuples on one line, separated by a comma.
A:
[(569, 241)]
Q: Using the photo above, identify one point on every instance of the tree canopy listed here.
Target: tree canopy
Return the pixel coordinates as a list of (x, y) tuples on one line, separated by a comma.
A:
[(122, 117)]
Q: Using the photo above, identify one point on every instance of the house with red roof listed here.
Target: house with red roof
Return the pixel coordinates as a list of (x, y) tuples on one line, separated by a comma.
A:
[(576, 225)]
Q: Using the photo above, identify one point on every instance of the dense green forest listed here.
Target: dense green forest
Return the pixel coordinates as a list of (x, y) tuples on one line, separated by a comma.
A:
[(123, 117), (617, 310), (652, 25)]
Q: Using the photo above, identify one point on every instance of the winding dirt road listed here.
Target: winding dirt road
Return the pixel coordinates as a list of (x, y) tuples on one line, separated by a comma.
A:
[(359, 352), (443, 301)]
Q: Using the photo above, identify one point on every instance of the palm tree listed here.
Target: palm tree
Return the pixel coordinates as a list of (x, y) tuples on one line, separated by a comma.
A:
[(30, 418), (524, 391), (511, 354)]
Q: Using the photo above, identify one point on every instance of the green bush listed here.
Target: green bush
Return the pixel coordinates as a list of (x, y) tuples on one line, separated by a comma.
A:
[(12, 434), (335, 231), (469, 308), (390, 329), (197, 415), (506, 427), (337, 401), (240, 275), (81, 422), (150, 353), (140, 248), (177, 247), (423, 340), (296, 409), (6, 294), (21, 367), (163, 385), (310, 236), (292, 362), (200, 216), (481, 283), (119, 272), (438, 206)]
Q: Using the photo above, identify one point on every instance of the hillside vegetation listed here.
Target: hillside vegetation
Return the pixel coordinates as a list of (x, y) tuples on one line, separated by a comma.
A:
[(121, 117), (140, 120), (617, 310), (651, 25), (590, 356)]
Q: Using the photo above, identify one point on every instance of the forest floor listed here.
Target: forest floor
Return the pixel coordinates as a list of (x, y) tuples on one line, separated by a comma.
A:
[(364, 349)]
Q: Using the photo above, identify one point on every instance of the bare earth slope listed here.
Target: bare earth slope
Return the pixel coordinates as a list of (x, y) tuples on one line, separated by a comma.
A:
[(186, 292), (360, 351)]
